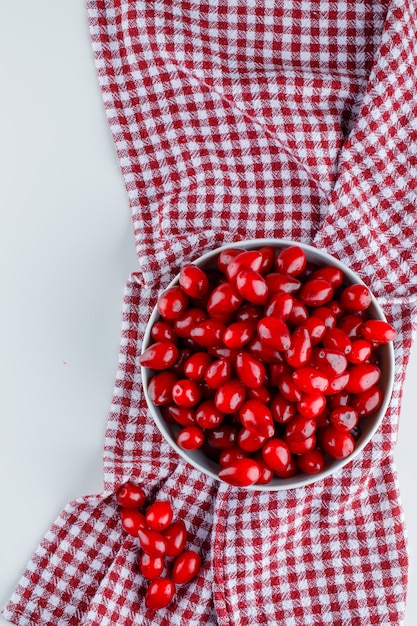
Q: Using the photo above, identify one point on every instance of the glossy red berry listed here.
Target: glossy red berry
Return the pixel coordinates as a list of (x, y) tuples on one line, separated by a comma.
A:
[(331, 274), (337, 383), (239, 333), (230, 455), (282, 410), (368, 401), (277, 282), (336, 308), (377, 331), (175, 537), (273, 332), (362, 377), (131, 496), (289, 470), (160, 355), (299, 314), (344, 418), (208, 333), (132, 521), (196, 364), (223, 299), (159, 515), (266, 474), (355, 298), (268, 259), (299, 428), (299, 352), (193, 281), (151, 567), (208, 415), (248, 312), (303, 446), (316, 329), (263, 352), (240, 473), (185, 323), (360, 351), (337, 339), (186, 393), (288, 389), (186, 567), (276, 370), (311, 462), (163, 331), (230, 396), (351, 324), (291, 260), (251, 260), (181, 415), (316, 292), (159, 593), (178, 367), (172, 302), (152, 542), (249, 441), (226, 256), (252, 286), (342, 398), (190, 438), (330, 362), (276, 454), (336, 443), (256, 417), (326, 315), (222, 437), (250, 370), (217, 373), (280, 305), (160, 387), (311, 405), (310, 380)]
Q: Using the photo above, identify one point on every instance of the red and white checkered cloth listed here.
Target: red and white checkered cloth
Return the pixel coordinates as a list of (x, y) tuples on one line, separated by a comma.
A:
[(239, 119)]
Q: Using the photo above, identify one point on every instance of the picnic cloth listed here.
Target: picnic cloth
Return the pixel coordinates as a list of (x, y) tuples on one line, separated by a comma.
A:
[(238, 119)]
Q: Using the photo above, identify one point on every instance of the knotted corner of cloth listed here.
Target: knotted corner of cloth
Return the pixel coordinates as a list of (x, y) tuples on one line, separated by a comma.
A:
[(232, 121)]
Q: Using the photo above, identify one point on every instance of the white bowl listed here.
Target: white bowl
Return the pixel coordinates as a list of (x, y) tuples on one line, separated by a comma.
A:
[(368, 424)]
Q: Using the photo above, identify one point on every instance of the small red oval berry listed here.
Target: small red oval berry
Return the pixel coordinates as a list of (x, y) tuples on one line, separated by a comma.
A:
[(185, 567), (131, 496), (241, 473), (159, 515), (159, 593)]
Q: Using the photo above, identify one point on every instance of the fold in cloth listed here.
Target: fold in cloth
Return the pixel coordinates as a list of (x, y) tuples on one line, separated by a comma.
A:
[(239, 119)]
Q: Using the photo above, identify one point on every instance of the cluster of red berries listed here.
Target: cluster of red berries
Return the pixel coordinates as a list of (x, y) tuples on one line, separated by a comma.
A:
[(159, 537), (266, 362)]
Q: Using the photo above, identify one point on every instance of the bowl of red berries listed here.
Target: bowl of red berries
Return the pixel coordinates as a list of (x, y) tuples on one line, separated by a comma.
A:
[(267, 364)]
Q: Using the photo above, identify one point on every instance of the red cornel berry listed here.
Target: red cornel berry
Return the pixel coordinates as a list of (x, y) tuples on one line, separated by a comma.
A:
[(241, 473), (193, 281), (131, 496), (159, 593), (172, 303), (159, 515), (265, 363), (185, 567), (160, 355)]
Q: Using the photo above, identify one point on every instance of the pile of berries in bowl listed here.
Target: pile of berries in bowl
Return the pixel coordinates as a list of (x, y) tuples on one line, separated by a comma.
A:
[(267, 364)]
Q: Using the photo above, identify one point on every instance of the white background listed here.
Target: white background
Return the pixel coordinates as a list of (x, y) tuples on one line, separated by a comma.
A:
[(66, 248)]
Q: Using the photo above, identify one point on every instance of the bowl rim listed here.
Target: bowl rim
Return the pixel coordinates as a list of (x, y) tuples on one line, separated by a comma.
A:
[(304, 480)]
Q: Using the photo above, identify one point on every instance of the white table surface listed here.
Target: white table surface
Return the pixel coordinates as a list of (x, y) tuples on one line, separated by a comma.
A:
[(66, 248)]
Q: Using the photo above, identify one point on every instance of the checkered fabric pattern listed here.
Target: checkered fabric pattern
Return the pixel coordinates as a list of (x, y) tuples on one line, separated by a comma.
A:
[(241, 119)]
